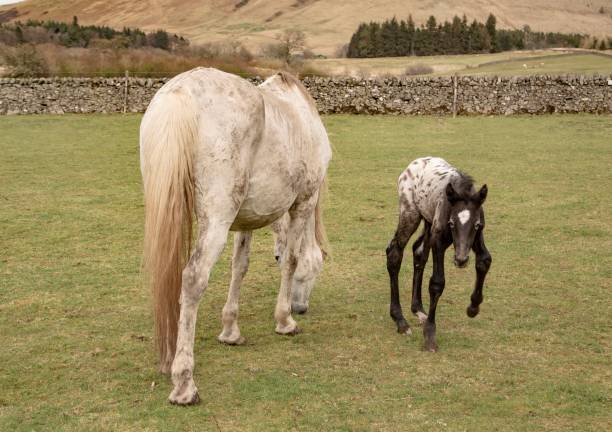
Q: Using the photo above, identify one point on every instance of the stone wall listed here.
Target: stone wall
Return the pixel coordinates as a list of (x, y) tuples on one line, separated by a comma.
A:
[(430, 95)]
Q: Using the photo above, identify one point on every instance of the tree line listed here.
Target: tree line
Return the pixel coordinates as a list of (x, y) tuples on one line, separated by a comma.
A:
[(75, 35), (395, 38)]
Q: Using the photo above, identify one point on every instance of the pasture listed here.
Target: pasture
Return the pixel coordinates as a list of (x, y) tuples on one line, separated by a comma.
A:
[(552, 62), (76, 326)]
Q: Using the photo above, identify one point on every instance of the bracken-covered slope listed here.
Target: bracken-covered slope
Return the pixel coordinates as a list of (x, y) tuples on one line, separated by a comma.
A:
[(327, 24)]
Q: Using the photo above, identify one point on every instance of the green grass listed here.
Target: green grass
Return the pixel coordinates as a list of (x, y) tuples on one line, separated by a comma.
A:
[(587, 64), (507, 63), (75, 325)]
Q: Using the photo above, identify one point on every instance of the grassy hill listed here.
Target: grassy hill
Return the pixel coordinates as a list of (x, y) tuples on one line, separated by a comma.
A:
[(327, 24)]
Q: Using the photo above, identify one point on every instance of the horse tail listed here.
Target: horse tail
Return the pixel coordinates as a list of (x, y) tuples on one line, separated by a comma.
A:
[(320, 234), (167, 135)]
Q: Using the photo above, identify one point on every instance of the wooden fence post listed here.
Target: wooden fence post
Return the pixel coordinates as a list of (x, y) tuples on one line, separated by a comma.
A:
[(125, 96), (454, 96)]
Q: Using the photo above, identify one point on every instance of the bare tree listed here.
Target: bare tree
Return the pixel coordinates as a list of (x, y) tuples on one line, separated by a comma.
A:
[(291, 42)]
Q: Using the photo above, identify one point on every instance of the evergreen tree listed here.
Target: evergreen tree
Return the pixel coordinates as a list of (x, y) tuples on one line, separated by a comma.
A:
[(375, 40), (411, 32), (160, 39), (403, 42), (393, 38), (456, 36), (387, 40), (490, 26)]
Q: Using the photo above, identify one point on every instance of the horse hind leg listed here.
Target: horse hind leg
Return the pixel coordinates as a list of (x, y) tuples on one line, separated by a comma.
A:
[(240, 264), (216, 207), (408, 223), (209, 246)]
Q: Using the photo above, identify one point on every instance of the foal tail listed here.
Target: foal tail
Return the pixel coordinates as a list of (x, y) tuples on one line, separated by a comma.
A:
[(167, 135), (320, 234)]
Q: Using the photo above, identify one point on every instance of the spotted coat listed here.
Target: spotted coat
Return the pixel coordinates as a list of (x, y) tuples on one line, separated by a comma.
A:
[(421, 188)]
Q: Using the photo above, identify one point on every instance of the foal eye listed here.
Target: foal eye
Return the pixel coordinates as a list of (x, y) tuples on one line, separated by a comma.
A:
[(451, 223), (477, 225)]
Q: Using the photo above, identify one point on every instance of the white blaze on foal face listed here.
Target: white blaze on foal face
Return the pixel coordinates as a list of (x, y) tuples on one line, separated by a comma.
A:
[(464, 216)]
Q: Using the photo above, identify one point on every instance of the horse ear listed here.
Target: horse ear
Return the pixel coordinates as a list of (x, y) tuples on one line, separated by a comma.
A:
[(451, 194), (482, 194)]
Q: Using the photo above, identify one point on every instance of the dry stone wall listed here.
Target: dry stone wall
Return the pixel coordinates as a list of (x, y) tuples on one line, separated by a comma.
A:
[(434, 95)]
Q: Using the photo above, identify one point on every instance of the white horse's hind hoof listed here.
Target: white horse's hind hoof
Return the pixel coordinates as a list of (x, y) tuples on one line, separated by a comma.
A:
[(421, 316), (231, 339), (185, 394)]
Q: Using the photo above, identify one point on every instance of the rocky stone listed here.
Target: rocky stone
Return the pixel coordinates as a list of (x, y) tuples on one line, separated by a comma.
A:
[(422, 95)]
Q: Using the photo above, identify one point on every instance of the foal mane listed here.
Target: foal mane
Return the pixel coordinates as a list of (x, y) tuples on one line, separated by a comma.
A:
[(463, 184)]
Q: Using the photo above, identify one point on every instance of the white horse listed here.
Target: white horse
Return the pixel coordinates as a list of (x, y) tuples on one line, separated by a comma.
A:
[(239, 157)]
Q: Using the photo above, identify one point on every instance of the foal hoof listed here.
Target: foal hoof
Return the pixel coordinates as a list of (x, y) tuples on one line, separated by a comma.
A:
[(429, 336), (404, 328), (421, 316), (472, 311), (430, 346)]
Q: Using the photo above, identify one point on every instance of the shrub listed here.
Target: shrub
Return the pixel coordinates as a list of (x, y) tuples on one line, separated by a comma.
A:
[(25, 61), (418, 69)]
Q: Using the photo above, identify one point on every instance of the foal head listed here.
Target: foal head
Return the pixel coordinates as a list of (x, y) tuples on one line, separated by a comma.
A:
[(465, 218)]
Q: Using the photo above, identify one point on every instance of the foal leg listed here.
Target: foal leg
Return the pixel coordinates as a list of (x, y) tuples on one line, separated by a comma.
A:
[(483, 263), (240, 264), (436, 287), (298, 214), (420, 251), (408, 222), (210, 243)]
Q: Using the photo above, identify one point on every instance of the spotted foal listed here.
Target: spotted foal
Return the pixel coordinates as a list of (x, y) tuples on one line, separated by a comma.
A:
[(451, 208)]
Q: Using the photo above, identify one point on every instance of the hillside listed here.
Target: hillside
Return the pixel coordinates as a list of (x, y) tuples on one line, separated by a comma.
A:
[(327, 24)]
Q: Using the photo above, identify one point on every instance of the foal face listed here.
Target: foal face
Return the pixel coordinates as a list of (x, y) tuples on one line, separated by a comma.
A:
[(464, 221)]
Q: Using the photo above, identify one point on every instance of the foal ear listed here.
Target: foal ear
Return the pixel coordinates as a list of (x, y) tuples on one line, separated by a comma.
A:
[(451, 194), (482, 194)]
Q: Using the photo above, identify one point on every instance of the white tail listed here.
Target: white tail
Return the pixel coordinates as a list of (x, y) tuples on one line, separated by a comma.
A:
[(167, 135)]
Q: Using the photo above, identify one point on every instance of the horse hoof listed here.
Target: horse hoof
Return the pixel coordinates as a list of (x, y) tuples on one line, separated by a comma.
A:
[(231, 341), (185, 401), (472, 311), (296, 330)]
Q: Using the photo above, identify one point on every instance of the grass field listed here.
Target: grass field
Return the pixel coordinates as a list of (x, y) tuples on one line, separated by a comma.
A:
[(76, 327), (552, 62)]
